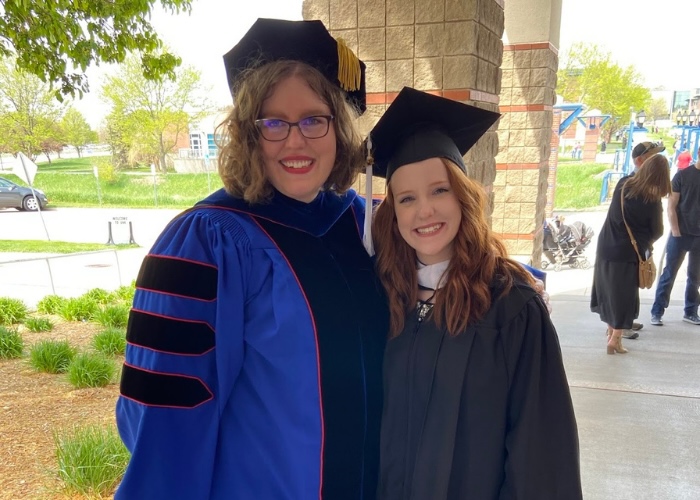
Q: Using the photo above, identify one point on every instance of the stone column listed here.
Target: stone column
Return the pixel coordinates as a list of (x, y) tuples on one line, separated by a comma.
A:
[(451, 48), (530, 62)]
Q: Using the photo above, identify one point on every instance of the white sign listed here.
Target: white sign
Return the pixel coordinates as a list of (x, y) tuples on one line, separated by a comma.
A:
[(94, 171), (25, 169), (153, 169), (121, 232)]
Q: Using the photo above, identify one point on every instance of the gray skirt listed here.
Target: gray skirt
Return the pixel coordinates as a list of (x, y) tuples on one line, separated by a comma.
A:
[(615, 293)]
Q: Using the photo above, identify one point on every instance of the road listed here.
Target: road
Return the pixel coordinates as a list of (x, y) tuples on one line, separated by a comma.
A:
[(84, 225)]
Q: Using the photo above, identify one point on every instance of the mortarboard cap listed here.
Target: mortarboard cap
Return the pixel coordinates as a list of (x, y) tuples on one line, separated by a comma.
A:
[(270, 40), (418, 126)]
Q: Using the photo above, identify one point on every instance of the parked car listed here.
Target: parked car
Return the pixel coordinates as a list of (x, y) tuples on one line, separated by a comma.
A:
[(20, 197)]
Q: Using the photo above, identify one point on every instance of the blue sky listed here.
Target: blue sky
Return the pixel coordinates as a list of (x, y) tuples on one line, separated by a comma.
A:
[(646, 33)]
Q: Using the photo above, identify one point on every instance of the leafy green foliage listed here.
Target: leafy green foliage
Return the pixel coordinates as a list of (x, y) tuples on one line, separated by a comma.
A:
[(589, 75), (91, 460), (148, 117), (91, 370), (125, 293), (51, 304), (28, 111), (115, 316), (11, 344), (110, 342), (76, 130), (39, 324), (99, 295), (51, 356), (12, 311), (79, 309), (50, 38)]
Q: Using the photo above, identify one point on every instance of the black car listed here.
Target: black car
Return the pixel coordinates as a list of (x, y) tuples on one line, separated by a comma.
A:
[(20, 197)]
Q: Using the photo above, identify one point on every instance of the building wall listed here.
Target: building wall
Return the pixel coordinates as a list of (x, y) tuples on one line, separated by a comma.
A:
[(455, 48), (452, 48), (527, 96)]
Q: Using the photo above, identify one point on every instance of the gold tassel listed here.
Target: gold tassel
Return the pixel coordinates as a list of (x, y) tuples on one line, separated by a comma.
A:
[(349, 71)]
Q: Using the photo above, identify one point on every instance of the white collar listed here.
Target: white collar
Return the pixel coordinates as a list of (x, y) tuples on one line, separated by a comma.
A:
[(432, 276)]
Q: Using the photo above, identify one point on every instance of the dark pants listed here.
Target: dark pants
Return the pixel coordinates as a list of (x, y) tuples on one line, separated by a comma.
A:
[(676, 248)]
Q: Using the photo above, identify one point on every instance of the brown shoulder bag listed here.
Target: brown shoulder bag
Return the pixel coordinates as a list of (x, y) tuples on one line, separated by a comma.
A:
[(647, 268)]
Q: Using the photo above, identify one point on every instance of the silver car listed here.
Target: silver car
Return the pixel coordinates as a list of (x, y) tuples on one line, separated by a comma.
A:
[(20, 197)]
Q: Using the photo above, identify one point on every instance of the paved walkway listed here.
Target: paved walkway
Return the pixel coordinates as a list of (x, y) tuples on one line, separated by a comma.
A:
[(638, 414)]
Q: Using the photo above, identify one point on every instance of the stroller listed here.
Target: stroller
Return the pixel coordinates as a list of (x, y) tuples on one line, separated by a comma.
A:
[(564, 244)]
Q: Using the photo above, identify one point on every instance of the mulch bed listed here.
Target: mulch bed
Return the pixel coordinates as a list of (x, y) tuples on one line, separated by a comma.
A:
[(33, 406)]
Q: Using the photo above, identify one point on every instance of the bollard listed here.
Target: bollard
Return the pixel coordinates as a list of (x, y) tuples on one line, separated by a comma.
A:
[(110, 240)]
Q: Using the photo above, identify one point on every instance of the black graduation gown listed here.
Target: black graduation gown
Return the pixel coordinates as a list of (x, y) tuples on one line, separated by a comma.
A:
[(486, 414)]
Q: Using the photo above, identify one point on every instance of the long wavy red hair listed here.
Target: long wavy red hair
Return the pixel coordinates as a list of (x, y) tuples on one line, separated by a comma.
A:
[(478, 268)]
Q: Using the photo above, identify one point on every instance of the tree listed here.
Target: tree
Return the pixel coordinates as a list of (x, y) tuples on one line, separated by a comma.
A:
[(76, 130), (28, 111), (589, 76), (52, 39), (658, 109), (153, 114)]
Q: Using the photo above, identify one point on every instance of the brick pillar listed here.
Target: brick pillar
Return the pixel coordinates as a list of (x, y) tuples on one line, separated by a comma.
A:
[(530, 62), (553, 162), (590, 143), (451, 48)]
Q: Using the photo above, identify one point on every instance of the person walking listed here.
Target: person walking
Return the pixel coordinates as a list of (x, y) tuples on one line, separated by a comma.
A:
[(684, 218), (615, 291)]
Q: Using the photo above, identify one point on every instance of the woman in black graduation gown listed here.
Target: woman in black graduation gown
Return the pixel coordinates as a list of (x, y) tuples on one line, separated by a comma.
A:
[(477, 404)]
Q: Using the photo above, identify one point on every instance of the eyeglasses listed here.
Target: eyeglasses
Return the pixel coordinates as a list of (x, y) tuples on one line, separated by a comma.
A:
[(311, 127)]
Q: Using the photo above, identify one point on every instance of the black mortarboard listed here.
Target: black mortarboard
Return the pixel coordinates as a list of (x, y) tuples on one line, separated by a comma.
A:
[(270, 40), (418, 126)]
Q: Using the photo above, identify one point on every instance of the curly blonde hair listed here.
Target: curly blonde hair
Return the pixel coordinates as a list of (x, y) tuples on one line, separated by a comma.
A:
[(241, 164)]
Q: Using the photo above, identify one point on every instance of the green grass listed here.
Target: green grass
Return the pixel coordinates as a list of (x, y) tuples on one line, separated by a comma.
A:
[(12, 311), (11, 344), (579, 185), (79, 309), (91, 460), (39, 324), (110, 342), (51, 356), (114, 316), (67, 165), (62, 247), (51, 304), (132, 190), (91, 370)]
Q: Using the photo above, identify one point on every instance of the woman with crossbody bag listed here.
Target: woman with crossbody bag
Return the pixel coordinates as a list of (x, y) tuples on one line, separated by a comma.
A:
[(634, 222)]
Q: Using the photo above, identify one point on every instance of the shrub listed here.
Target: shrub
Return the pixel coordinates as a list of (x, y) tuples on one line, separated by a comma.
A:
[(115, 316), (106, 169), (39, 324), (91, 370), (110, 342), (51, 356), (79, 309), (91, 459), (51, 304), (12, 311), (11, 344), (125, 293), (98, 295)]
